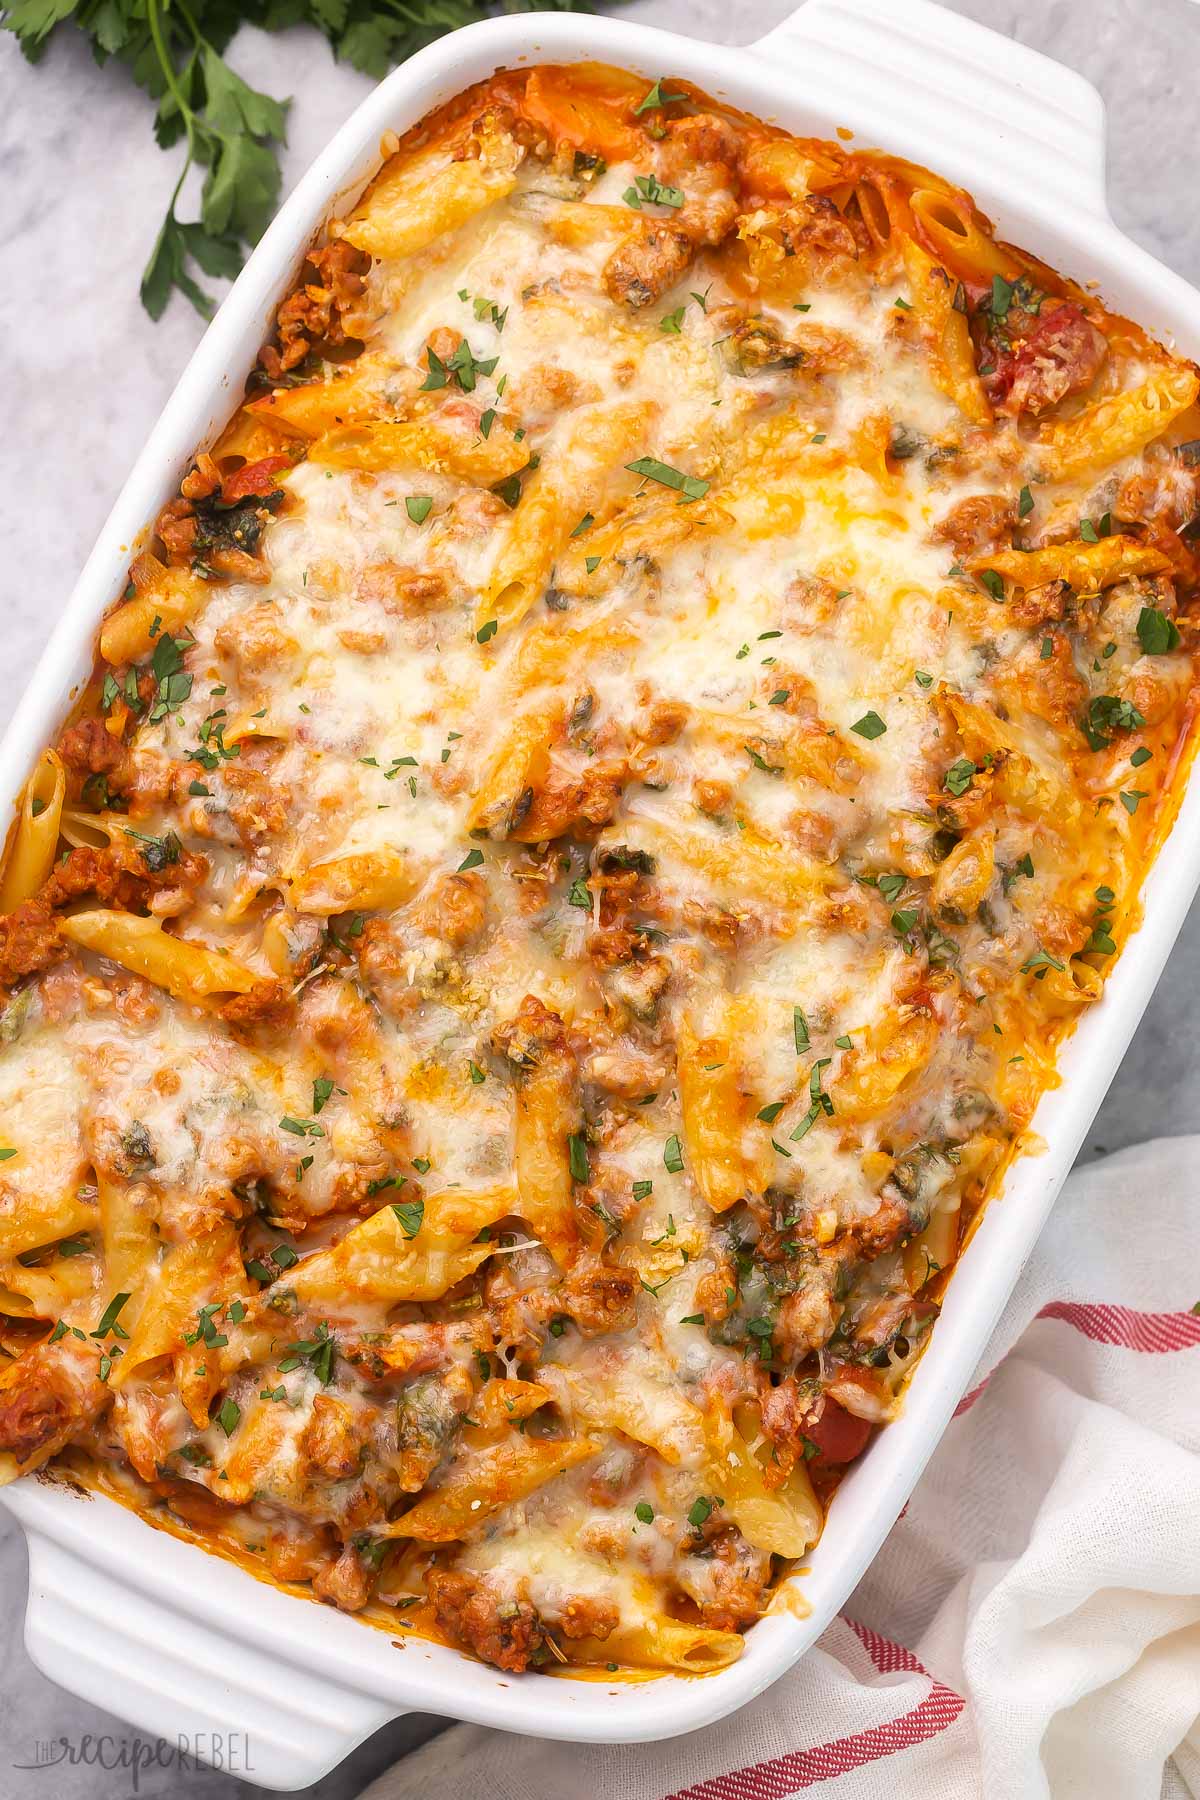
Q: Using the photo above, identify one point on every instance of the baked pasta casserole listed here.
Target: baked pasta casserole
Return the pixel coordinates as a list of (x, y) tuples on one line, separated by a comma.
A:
[(601, 800)]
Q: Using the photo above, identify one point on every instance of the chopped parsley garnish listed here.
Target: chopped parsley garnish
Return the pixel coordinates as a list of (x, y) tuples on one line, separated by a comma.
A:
[(800, 1030), (644, 1512), (820, 1102), (488, 311), (923, 678), (1131, 800), (301, 1127), (280, 1258), (760, 761), (642, 1190), (1156, 633), (487, 632), (701, 1509), (317, 1351), (471, 860), (869, 726), (228, 1415), (580, 894), (1105, 715), (1039, 963), (649, 467), (1024, 503), (577, 1156), (463, 366), (672, 322), (656, 97), (206, 1330), (769, 1114), (1022, 866), (386, 1181), (410, 1214), (1100, 943), (993, 582), (959, 776), (587, 519), (1003, 294), (673, 1155), (650, 188), (108, 1319), (418, 507), (212, 750)]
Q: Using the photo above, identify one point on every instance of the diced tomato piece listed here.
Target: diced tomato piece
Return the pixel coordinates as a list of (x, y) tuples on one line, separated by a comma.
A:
[(1059, 355), (838, 1435), (260, 477)]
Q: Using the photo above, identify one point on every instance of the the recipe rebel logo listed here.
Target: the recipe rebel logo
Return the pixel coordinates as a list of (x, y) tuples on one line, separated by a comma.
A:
[(200, 1754)]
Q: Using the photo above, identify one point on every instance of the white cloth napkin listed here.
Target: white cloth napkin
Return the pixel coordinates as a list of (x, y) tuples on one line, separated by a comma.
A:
[(1031, 1628)]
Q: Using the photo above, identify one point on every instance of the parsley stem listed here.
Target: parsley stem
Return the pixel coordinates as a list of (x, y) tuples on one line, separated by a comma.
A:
[(154, 21)]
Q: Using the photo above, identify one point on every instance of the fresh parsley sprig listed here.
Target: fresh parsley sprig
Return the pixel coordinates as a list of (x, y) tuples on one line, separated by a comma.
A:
[(175, 51)]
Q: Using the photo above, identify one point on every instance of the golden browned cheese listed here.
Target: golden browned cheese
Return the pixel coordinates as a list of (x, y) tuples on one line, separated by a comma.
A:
[(607, 789)]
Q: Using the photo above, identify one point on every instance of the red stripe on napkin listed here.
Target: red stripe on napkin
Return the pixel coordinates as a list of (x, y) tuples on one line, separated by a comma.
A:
[(799, 1769), (1153, 1333)]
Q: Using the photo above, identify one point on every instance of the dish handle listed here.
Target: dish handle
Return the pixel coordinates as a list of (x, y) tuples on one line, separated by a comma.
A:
[(204, 1695), (976, 96)]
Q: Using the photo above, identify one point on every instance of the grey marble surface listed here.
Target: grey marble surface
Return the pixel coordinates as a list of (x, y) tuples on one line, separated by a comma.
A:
[(83, 187)]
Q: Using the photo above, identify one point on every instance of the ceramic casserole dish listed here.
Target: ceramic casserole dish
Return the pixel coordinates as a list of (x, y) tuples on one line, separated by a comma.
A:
[(205, 1651)]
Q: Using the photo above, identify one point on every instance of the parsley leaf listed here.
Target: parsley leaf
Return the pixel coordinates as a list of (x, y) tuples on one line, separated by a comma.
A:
[(959, 776), (690, 486), (410, 1214), (656, 97), (650, 188), (1156, 633), (869, 726)]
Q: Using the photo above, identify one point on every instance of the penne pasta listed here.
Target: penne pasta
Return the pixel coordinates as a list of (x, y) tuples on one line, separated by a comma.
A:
[(186, 970), (165, 600), (660, 1643), (377, 882), (30, 853), (1119, 425), (490, 1479), (444, 448), (579, 480), (398, 1255), (945, 333)]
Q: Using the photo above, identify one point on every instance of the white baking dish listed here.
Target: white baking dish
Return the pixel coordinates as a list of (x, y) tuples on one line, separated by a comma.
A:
[(178, 1641)]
